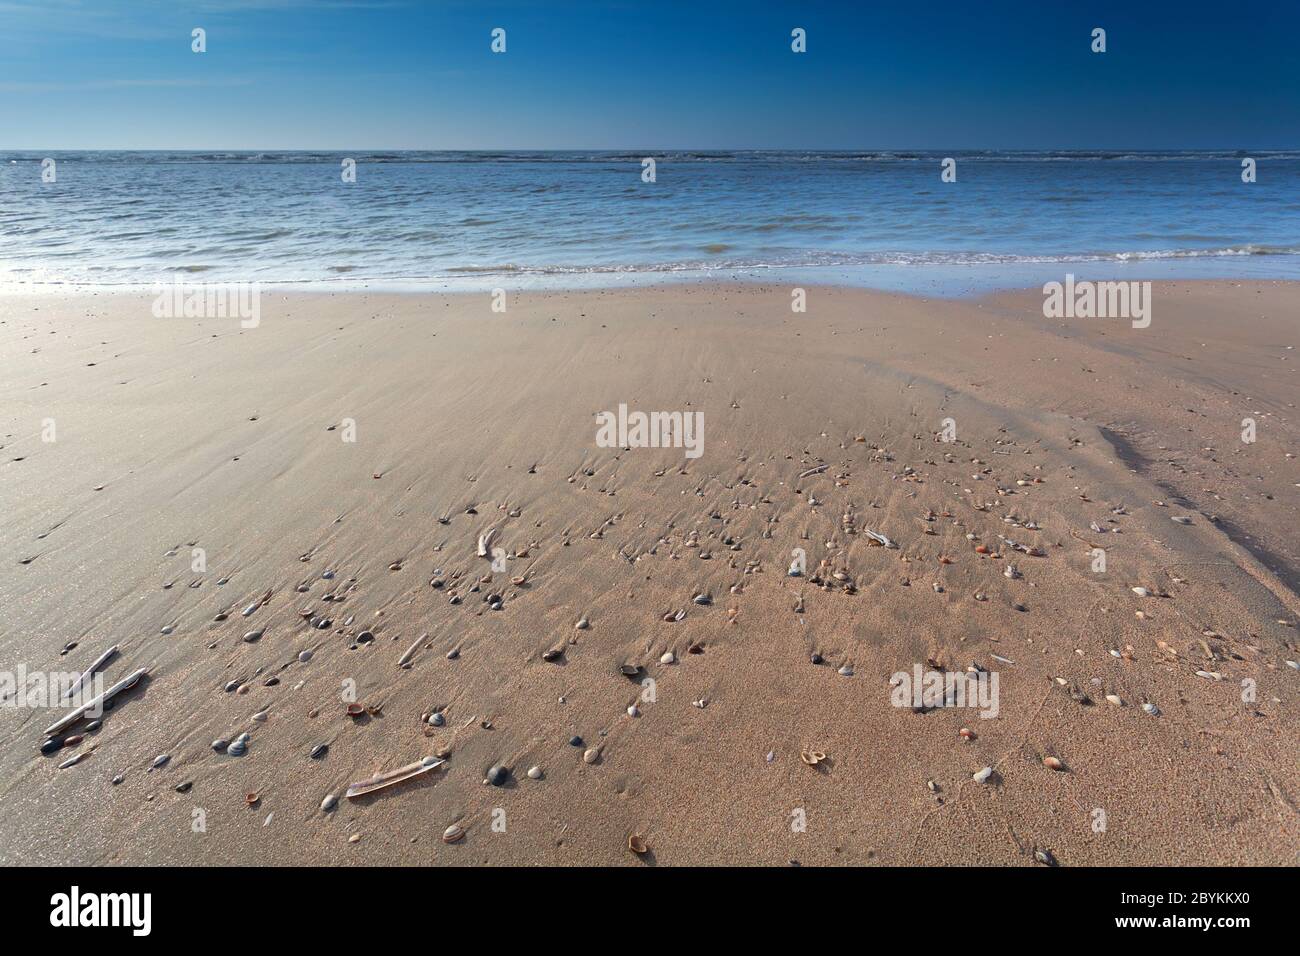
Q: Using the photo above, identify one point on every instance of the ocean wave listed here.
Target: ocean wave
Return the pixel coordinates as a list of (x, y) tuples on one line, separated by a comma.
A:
[(661, 155)]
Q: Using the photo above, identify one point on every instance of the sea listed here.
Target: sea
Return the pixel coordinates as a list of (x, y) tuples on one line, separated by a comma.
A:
[(428, 220)]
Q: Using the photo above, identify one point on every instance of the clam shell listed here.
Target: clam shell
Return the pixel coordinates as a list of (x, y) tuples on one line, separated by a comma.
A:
[(637, 844), (453, 833)]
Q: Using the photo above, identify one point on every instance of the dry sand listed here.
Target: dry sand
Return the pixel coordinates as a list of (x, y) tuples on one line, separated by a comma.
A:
[(179, 434)]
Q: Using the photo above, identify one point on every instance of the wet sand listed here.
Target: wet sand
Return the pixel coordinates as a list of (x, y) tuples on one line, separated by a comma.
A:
[(179, 434)]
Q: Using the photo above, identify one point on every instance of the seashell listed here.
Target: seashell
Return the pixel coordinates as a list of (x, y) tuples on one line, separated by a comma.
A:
[(534, 773), (1141, 592), (582, 624), (629, 670), (552, 654), (253, 636), (437, 719), (219, 745), (518, 580), (1052, 763), (159, 760), (237, 748), (966, 734), (983, 775), (355, 710), (812, 757), (497, 775), (329, 803), (633, 712), (381, 780), (1210, 675), (453, 834), (1115, 699), (1151, 709), (319, 751), (591, 755), (1045, 857), (251, 799), (668, 658), (304, 656), (1181, 519), (637, 845), (845, 671)]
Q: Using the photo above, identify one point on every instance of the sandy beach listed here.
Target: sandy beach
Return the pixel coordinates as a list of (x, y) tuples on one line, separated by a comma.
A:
[(334, 470)]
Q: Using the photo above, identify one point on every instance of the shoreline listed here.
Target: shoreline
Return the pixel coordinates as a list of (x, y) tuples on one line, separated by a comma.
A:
[(183, 434), (937, 279)]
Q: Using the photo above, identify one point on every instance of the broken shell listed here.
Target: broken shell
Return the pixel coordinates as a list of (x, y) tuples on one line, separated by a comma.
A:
[(1052, 763), (355, 710), (983, 775), (637, 845), (812, 757), (251, 799)]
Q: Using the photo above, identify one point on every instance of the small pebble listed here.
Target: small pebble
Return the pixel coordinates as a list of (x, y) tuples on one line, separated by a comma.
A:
[(304, 656), (534, 773)]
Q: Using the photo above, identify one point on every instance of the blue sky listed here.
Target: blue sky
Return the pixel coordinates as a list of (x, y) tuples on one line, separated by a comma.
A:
[(340, 74)]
